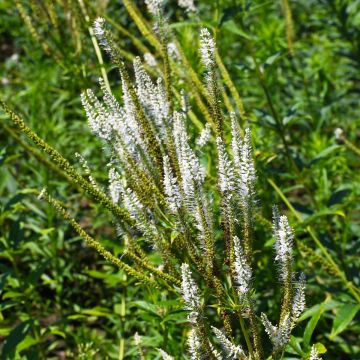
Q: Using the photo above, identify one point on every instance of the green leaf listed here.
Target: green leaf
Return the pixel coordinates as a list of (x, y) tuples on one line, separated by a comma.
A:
[(329, 305), (311, 325), (321, 349), (96, 311), (3, 155), (322, 213), (232, 27), (26, 343), (344, 316), (54, 330), (178, 317), (323, 154), (295, 345), (148, 307), (16, 336), (230, 12), (5, 331), (7, 304), (76, 317), (12, 294), (272, 59), (338, 196)]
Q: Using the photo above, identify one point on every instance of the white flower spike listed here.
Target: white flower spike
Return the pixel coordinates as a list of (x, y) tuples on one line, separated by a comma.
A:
[(232, 351), (207, 48), (188, 5), (190, 293), (242, 269)]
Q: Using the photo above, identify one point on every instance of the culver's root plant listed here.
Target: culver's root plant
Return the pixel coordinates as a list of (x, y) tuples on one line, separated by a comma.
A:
[(165, 202)]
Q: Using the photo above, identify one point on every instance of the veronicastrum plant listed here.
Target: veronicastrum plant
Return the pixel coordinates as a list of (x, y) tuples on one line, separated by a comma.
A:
[(164, 202), (157, 177)]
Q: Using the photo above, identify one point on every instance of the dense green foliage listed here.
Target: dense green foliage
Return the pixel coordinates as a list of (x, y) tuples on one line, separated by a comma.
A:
[(60, 299)]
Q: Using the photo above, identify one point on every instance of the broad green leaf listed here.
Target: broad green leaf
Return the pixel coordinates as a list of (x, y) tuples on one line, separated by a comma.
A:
[(96, 274), (5, 331), (3, 279), (12, 294), (232, 27), (329, 305), (294, 344), (16, 336), (26, 343), (322, 213), (344, 316), (148, 307), (272, 59), (54, 330), (321, 349), (323, 154), (311, 325), (182, 24), (178, 316), (168, 303), (338, 196), (7, 304)]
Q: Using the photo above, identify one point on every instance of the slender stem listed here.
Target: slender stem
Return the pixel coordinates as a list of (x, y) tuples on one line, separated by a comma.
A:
[(155, 271), (231, 86), (165, 335), (121, 348), (122, 323), (287, 291), (351, 146), (247, 337), (191, 73), (166, 62), (140, 46), (255, 330), (214, 97), (289, 25), (96, 47), (142, 24), (279, 123)]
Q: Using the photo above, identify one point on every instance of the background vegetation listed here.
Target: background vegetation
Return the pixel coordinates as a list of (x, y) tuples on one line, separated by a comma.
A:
[(299, 81)]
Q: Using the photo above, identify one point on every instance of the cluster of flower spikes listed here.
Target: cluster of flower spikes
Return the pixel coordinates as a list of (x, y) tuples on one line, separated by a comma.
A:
[(158, 177)]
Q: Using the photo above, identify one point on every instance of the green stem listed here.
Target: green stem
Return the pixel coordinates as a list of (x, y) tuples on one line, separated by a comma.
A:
[(351, 146), (247, 337), (279, 123), (142, 24), (96, 47), (289, 25), (231, 86), (137, 43)]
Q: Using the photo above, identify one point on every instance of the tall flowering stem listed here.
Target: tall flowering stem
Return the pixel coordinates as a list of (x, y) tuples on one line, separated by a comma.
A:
[(147, 131), (198, 339), (207, 52), (293, 296), (244, 168), (283, 247)]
